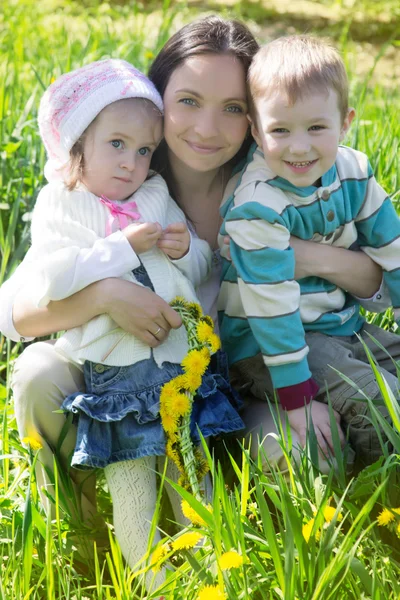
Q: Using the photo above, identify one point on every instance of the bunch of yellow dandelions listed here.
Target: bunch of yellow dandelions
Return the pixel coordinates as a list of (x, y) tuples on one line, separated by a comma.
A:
[(390, 517), (177, 395)]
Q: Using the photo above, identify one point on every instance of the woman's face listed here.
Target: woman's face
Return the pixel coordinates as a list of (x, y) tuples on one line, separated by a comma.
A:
[(205, 110)]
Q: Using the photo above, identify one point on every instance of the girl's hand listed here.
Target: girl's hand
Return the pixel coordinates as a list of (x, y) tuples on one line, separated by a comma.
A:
[(142, 236), (300, 418), (175, 240)]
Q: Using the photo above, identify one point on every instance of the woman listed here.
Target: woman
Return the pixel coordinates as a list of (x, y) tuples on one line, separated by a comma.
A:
[(201, 74)]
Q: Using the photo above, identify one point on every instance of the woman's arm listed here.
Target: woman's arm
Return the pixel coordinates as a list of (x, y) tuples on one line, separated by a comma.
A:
[(350, 270), (134, 308)]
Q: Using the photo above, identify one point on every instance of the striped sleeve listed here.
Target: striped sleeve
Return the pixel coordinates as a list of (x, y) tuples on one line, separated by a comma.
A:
[(269, 297), (378, 227)]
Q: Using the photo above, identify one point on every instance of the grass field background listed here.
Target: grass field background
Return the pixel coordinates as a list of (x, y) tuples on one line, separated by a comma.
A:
[(304, 537)]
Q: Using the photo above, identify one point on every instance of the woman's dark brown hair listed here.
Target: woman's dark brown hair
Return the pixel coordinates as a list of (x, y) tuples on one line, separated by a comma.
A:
[(210, 35)]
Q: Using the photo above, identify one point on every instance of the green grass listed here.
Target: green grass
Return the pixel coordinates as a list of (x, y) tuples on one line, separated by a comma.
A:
[(261, 517)]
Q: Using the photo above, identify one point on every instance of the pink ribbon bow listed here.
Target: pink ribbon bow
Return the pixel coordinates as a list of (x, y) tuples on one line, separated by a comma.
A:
[(119, 212)]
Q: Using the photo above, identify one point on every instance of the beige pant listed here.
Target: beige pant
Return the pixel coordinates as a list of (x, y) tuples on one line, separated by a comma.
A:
[(347, 355)]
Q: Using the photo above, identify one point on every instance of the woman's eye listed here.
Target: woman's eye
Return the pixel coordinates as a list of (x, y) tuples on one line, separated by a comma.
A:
[(279, 130), (188, 101), (116, 144), (144, 151), (317, 127), (234, 109)]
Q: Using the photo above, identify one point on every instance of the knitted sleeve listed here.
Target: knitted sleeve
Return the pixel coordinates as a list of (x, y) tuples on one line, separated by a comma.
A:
[(196, 264), (264, 291), (68, 246)]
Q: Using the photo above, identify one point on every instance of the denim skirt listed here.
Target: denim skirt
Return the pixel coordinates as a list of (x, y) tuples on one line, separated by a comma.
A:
[(118, 416)]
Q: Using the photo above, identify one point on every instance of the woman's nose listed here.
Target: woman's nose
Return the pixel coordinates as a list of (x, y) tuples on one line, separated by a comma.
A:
[(206, 125)]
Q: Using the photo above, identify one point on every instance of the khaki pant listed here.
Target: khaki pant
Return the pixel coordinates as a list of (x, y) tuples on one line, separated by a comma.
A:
[(347, 356)]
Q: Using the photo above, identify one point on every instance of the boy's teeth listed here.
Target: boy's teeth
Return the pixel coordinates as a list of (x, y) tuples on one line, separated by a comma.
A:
[(301, 164)]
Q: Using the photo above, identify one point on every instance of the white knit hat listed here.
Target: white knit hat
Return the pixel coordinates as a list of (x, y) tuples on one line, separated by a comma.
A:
[(72, 102)]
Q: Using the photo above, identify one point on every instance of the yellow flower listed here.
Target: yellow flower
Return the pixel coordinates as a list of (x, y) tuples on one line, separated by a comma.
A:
[(195, 310), (196, 361), (192, 381), (157, 557), (214, 342), (398, 529), (168, 421), (230, 560), (211, 592), (149, 55), (173, 454), (181, 404), (168, 392), (385, 517), (187, 540), (329, 513), (192, 515), (307, 529), (208, 319), (204, 331), (32, 442), (180, 382)]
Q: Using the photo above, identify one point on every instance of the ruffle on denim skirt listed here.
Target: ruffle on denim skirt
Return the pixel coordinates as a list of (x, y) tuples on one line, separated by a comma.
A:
[(118, 416)]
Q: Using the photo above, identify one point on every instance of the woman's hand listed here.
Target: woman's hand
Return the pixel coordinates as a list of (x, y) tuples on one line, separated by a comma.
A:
[(350, 270), (139, 311)]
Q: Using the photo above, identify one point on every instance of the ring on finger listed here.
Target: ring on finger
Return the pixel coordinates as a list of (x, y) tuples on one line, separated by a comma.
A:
[(157, 332)]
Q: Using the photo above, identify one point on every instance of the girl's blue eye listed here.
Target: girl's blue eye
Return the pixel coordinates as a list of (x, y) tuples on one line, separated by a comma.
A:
[(116, 144), (144, 151), (234, 109)]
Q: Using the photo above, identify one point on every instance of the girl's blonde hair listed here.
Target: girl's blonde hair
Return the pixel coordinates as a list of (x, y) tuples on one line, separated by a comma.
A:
[(298, 65)]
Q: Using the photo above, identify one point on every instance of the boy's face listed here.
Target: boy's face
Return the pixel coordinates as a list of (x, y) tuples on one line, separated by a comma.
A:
[(300, 142), (118, 146)]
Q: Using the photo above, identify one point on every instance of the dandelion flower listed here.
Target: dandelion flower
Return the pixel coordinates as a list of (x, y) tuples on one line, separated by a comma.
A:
[(158, 556), (33, 443), (195, 310), (180, 382), (187, 540), (195, 361), (398, 530), (192, 515), (149, 55), (214, 342), (207, 319), (192, 381), (204, 331), (307, 529), (211, 592), (181, 404), (230, 560), (169, 422), (329, 513), (168, 392), (385, 517)]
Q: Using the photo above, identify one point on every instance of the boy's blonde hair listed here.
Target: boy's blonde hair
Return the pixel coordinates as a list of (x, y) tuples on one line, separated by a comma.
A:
[(298, 65)]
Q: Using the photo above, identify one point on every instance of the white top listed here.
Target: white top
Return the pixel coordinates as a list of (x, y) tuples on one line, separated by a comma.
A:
[(116, 255), (69, 252)]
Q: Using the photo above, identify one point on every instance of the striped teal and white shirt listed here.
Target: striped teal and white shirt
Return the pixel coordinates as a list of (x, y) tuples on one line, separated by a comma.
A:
[(262, 308)]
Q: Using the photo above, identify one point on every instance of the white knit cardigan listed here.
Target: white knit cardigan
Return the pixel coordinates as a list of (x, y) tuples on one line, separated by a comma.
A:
[(69, 252)]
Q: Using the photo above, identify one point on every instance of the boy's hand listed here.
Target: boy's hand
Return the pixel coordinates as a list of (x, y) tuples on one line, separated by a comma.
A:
[(142, 236), (300, 418), (175, 240)]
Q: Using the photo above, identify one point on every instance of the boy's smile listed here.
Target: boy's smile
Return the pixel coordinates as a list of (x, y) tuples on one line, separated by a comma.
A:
[(300, 142)]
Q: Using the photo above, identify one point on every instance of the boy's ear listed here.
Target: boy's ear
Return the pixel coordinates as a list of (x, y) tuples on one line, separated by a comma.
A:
[(351, 113), (254, 132)]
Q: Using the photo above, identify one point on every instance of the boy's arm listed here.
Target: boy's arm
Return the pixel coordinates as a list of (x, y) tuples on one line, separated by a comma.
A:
[(269, 297), (66, 255), (378, 227)]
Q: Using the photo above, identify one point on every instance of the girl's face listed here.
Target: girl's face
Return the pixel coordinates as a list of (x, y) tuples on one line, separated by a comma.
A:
[(118, 146), (205, 110)]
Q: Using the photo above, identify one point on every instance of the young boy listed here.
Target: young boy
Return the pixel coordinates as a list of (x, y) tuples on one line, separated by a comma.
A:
[(299, 181)]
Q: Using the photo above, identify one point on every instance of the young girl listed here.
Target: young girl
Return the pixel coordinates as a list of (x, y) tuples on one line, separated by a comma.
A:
[(100, 216)]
